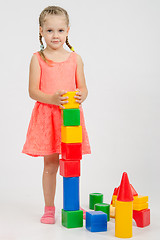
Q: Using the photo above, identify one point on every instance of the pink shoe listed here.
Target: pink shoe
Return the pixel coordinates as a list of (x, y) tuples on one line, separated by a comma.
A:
[(49, 215), (84, 213)]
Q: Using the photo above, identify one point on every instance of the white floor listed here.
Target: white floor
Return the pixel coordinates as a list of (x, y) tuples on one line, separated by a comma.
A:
[(20, 220)]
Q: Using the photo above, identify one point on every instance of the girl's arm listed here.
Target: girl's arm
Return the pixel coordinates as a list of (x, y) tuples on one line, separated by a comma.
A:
[(38, 95), (80, 81)]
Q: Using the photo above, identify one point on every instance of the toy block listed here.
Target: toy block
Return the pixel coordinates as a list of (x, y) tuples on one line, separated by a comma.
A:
[(72, 219), (69, 168), (112, 211), (71, 100), (124, 209), (114, 198), (140, 199), (71, 117), (71, 151), (140, 206), (95, 198), (71, 193), (96, 221), (142, 218), (71, 134), (134, 193), (104, 207)]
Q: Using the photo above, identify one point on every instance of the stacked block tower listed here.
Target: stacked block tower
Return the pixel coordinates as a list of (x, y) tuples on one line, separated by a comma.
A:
[(71, 153)]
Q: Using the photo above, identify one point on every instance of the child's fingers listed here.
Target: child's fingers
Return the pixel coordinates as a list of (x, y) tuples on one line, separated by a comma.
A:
[(78, 93), (79, 101), (60, 105), (63, 98), (77, 97), (63, 102), (63, 92)]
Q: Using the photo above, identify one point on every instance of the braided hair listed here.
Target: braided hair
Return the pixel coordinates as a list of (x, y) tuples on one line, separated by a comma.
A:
[(52, 10)]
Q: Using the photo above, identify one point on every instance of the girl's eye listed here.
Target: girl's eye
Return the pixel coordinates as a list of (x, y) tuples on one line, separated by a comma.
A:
[(49, 30), (61, 30)]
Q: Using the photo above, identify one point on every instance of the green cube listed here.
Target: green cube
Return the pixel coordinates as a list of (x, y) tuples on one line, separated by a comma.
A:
[(104, 207), (71, 117), (72, 219)]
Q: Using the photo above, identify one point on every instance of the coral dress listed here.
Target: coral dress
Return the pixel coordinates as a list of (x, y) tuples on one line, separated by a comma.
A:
[(44, 130)]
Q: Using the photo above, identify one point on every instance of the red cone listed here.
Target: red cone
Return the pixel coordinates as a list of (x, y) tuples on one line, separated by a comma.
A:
[(125, 193)]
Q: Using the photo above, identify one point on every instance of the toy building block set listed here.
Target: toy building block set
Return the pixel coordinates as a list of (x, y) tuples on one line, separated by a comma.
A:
[(126, 204), (71, 148)]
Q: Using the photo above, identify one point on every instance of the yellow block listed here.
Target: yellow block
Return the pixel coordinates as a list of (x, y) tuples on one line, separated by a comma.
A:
[(71, 134), (114, 197), (123, 219), (140, 199), (140, 206), (112, 211), (71, 100)]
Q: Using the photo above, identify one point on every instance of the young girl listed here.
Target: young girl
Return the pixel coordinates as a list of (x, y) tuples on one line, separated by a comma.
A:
[(53, 72)]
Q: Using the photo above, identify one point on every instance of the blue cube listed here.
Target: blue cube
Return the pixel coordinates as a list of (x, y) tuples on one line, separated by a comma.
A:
[(70, 193), (96, 221)]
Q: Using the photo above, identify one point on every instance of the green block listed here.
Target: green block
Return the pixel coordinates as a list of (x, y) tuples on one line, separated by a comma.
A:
[(72, 219), (95, 198), (104, 207), (71, 117)]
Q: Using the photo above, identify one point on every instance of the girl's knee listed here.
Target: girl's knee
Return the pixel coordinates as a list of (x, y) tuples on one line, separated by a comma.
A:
[(51, 164)]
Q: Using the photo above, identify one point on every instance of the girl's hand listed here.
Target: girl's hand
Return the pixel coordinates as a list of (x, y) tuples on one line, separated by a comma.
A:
[(58, 99), (79, 96)]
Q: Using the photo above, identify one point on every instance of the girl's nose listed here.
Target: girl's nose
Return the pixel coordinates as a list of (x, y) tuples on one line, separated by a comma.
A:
[(55, 34)]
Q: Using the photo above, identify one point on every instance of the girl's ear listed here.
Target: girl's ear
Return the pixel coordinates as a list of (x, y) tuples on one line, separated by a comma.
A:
[(41, 31), (68, 30)]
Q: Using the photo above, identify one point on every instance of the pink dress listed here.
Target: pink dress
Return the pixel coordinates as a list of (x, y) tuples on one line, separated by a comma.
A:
[(44, 130)]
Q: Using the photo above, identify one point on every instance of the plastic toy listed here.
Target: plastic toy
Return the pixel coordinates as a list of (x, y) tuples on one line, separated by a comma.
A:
[(71, 151), (69, 168), (95, 198), (104, 207), (124, 209), (71, 117), (96, 221), (72, 219), (112, 211), (71, 134), (71, 100), (70, 193), (142, 218), (140, 203)]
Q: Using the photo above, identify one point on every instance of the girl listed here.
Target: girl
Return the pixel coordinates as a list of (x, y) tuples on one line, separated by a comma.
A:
[(53, 72)]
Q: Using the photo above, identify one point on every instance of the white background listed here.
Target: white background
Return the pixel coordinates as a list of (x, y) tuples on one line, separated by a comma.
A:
[(119, 44)]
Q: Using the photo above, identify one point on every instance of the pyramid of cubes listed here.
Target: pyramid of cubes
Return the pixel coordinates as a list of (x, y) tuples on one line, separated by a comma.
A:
[(71, 155)]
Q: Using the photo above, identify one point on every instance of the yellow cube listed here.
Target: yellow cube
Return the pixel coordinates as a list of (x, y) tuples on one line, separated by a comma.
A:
[(71, 134), (140, 199), (140, 206), (71, 100)]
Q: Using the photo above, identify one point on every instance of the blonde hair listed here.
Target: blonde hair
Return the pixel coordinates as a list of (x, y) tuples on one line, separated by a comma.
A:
[(52, 10)]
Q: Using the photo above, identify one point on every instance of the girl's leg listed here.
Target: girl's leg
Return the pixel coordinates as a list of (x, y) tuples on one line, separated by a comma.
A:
[(51, 164)]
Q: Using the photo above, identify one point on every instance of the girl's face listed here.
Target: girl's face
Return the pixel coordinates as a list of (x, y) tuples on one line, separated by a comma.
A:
[(54, 31)]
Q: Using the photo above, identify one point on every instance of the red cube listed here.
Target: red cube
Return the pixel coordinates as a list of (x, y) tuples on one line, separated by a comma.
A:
[(69, 168), (142, 217), (71, 151)]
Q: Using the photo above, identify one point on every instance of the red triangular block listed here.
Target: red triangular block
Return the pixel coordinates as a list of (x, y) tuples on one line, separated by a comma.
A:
[(125, 193), (115, 191), (133, 191)]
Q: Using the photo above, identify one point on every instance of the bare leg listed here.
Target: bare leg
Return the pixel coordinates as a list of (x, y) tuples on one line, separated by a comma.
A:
[(51, 164)]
